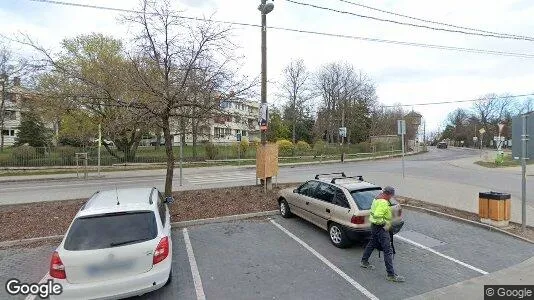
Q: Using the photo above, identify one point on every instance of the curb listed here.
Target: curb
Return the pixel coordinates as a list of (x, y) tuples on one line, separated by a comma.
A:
[(223, 219), (478, 224), (173, 225), (30, 240)]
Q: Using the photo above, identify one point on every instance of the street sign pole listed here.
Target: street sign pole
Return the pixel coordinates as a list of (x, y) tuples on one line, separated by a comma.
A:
[(524, 139), (401, 129), (99, 145)]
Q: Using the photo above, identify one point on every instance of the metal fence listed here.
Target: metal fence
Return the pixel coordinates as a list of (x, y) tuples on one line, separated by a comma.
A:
[(65, 156)]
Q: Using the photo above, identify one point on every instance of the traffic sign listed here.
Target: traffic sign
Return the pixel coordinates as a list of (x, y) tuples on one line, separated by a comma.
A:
[(475, 139), (482, 130), (401, 127)]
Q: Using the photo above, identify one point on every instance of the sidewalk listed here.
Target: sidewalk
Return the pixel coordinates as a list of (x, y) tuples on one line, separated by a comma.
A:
[(474, 288), (450, 194)]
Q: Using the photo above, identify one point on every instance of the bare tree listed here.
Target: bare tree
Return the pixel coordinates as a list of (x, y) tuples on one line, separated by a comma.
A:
[(347, 99), (295, 80), (168, 54)]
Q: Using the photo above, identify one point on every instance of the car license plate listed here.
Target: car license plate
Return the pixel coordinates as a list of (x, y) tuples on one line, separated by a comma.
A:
[(96, 270)]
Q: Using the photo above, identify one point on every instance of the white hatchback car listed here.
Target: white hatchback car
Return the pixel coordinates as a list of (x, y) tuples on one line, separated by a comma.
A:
[(119, 245)]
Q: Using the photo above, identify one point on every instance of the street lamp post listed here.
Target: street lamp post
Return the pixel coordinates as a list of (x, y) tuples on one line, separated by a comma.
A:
[(264, 8)]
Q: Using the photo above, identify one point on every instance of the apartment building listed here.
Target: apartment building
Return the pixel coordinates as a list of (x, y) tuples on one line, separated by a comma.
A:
[(237, 119), (12, 98)]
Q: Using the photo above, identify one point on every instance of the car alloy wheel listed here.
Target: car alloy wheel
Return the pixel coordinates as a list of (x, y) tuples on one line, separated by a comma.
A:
[(335, 234)]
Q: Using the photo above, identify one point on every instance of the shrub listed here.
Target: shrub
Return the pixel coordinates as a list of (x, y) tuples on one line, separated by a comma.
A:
[(303, 147), (211, 150), (285, 147), (319, 147), (67, 154), (23, 153), (244, 145), (256, 142)]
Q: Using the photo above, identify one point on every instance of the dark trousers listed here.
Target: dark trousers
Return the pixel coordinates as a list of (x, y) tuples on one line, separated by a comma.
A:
[(380, 240)]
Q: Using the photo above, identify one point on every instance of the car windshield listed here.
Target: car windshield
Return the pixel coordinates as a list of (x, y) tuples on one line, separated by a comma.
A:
[(364, 198), (111, 230)]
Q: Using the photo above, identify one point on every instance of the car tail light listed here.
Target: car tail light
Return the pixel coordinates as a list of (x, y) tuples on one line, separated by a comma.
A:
[(57, 269), (357, 219), (162, 251)]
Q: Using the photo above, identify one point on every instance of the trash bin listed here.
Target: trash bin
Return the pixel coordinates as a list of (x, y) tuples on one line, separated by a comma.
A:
[(494, 208)]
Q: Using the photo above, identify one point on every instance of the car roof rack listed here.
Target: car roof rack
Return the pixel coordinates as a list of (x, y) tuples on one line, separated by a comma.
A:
[(337, 173), (359, 177)]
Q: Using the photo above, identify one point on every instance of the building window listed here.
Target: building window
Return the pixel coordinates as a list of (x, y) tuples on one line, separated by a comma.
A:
[(244, 133), (8, 132)]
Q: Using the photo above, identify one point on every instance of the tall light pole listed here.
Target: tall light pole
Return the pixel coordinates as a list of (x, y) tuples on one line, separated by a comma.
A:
[(264, 8)]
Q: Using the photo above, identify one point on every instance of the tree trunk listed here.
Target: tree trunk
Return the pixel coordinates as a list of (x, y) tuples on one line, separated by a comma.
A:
[(170, 157), (294, 132), (194, 131)]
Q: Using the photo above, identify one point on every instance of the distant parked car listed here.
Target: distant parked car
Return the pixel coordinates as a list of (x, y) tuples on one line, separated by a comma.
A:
[(118, 245), (338, 204), (442, 145)]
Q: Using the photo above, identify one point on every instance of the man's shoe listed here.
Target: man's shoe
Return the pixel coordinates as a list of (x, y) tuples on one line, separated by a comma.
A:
[(395, 278), (367, 265)]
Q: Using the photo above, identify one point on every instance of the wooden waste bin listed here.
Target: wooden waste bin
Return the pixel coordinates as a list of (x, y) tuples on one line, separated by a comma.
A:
[(494, 208)]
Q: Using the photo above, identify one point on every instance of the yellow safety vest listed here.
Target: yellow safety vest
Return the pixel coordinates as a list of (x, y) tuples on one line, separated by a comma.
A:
[(380, 212)]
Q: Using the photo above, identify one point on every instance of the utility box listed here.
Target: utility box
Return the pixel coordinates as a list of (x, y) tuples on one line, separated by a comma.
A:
[(266, 161), (495, 208)]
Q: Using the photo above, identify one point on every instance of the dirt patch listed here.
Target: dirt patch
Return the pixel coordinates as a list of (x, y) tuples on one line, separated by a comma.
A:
[(513, 228), (22, 221)]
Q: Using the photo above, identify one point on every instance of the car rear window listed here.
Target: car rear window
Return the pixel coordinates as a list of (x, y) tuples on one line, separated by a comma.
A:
[(364, 198), (111, 230)]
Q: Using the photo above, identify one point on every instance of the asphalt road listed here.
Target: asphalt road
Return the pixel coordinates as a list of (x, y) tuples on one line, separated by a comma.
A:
[(256, 259), (432, 165)]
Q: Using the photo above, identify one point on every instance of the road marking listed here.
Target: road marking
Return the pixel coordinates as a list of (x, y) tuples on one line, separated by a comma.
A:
[(194, 268), (328, 263), (32, 297), (441, 254)]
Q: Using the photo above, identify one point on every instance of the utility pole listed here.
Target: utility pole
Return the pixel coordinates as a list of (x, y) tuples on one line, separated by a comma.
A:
[(424, 135), (264, 8), (263, 63), (343, 135), (524, 140)]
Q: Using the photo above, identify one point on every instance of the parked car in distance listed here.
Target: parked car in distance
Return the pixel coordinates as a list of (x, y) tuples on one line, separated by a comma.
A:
[(118, 245), (337, 203), (442, 145)]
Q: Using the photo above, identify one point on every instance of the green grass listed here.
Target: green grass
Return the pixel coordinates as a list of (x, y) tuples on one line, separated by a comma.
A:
[(508, 161)]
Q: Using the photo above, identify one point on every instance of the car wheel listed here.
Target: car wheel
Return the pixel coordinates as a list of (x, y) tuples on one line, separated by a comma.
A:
[(284, 209), (338, 236)]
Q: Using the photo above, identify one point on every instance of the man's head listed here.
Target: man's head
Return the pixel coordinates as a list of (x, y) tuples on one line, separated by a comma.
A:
[(388, 192)]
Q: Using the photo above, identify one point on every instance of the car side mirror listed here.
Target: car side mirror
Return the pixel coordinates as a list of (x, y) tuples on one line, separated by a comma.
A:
[(295, 191), (169, 200)]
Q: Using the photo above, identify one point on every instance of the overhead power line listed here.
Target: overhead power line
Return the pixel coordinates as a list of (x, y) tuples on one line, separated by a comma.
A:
[(530, 39), (368, 39), (433, 22), (457, 101)]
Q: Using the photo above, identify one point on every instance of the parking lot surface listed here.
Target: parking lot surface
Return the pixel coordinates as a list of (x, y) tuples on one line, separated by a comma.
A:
[(292, 259)]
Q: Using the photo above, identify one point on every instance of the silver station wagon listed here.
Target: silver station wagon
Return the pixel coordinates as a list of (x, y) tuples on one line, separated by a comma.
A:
[(337, 203)]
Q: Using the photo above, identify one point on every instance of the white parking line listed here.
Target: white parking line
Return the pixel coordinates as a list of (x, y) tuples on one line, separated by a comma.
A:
[(194, 269), (328, 263), (441, 254), (32, 297)]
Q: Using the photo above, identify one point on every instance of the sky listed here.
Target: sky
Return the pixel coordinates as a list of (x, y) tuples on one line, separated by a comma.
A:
[(402, 74)]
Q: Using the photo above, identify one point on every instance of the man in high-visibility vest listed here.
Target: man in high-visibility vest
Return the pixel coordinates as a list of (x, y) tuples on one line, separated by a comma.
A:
[(380, 219)]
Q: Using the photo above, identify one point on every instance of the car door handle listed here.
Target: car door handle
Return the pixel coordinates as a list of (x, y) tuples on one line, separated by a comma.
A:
[(307, 203), (328, 210)]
